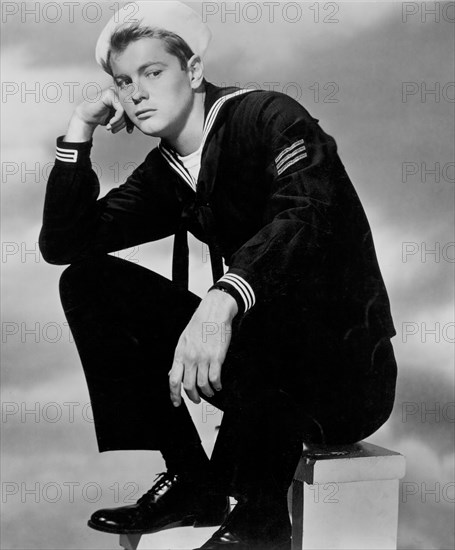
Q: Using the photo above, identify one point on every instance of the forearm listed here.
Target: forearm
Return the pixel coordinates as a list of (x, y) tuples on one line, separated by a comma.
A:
[(71, 193), (77, 223), (78, 130), (220, 305)]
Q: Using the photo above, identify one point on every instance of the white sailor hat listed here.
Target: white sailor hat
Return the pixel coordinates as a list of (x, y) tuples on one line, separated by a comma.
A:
[(169, 15)]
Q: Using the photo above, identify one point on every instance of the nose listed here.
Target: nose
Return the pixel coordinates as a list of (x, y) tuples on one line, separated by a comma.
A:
[(138, 93)]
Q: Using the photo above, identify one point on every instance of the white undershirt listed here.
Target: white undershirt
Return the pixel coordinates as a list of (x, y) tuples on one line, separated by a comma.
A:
[(192, 162)]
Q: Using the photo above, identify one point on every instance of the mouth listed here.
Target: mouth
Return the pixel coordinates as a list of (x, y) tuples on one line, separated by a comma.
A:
[(144, 113)]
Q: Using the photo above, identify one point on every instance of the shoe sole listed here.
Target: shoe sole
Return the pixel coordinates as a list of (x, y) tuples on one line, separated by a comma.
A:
[(281, 546), (189, 521)]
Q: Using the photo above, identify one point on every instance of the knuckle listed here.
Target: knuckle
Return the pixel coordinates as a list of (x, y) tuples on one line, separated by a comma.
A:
[(191, 356), (214, 376)]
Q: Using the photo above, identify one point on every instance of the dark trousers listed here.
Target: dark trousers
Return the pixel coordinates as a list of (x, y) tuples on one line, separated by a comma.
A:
[(126, 321)]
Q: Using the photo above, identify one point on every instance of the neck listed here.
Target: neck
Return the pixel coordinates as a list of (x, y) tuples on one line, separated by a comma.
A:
[(189, 137)]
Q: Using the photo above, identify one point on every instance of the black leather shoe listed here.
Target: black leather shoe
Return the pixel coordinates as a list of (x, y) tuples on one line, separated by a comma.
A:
[(251, 527), (171, 502)]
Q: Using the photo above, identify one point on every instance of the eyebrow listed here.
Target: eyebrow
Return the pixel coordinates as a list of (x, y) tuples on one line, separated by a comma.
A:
[(142, 68)]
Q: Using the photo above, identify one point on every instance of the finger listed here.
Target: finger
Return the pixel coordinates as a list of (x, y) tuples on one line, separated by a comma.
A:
[(115, 116), (118, 126), (175, 382), (189, 383), (129, 124), (203, 380), (215, 375), (115, 124), (108, 118)]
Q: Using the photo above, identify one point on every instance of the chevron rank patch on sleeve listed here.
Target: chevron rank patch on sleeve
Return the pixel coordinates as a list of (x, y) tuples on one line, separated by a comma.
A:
[(290, 156)]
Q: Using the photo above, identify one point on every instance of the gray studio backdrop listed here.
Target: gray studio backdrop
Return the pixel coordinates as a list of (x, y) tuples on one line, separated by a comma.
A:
[(379, 77)]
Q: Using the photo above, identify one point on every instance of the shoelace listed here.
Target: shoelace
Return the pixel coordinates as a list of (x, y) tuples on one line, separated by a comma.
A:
[(162, 479)]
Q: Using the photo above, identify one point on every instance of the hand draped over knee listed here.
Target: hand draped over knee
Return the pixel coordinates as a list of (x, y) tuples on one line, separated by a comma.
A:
[(202, 348)]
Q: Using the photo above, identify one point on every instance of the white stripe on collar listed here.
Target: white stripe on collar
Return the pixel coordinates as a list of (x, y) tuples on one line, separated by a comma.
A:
[(208, 124), (215, 109), (177, 166)]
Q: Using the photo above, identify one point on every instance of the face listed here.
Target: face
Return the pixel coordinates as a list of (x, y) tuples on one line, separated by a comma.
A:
[(155, 92)]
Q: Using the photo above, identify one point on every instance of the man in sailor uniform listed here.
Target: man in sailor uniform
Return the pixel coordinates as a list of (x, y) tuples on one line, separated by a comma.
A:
[(292, 342)]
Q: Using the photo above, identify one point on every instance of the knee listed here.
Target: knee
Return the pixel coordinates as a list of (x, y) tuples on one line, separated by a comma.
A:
[(70, 283), (83, 275), (69, 275)]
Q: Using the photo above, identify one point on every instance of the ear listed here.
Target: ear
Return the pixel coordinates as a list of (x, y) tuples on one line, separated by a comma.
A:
[(196, 71)]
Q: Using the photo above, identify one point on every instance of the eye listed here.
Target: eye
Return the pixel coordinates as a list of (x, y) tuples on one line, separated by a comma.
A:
[(123, 84), (154, 74)]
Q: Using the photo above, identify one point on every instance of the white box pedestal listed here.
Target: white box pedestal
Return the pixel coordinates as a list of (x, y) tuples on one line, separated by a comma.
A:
[(343, 498), (346, 498)]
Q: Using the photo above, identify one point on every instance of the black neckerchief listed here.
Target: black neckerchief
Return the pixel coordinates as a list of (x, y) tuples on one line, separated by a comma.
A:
[(213, 105)]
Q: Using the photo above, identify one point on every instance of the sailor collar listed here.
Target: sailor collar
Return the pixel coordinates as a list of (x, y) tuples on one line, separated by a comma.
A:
[(215, 99)]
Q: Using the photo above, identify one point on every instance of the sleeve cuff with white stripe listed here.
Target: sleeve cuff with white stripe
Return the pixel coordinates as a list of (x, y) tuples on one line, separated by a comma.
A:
[(72, 153), (239, 289)]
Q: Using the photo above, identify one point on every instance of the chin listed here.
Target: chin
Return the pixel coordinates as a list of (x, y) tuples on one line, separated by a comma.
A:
[(150, 133), (151, 130)]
